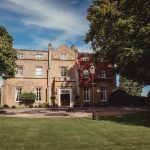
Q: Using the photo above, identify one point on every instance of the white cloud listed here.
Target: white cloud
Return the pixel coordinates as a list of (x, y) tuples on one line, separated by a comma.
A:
[(48, 15), (51, 15)]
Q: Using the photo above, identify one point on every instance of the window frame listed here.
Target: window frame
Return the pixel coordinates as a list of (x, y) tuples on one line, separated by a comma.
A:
[(85, 59), (37, 72), (103, 94), (39, 56), (17, 94), (86, 94), (63, 71), (63, 56), (38, 93), (87, 74), (103, 74), (20, 54), (19, 73)]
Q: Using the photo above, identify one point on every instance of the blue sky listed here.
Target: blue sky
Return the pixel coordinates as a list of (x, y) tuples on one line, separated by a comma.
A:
[(35, 23)]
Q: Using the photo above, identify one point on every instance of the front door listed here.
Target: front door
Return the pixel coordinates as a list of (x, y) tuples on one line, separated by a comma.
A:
[(65, 97)]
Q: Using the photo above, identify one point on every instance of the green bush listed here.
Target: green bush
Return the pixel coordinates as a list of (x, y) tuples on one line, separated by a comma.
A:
[(121, 98), (39, 106), (30, 106), (5, 106), (45, 105), (13, 107), (28, 98), (53, 97)]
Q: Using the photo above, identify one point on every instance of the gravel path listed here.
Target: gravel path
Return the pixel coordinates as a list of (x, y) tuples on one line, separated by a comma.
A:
[(70, 113)]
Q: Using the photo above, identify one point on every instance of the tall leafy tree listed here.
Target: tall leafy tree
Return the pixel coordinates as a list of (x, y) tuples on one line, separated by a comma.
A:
[(7, 54), (131, 87), (120, 29)]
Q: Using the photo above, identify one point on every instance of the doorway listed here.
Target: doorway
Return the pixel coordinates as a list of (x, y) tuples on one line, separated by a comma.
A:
[(65, 97)]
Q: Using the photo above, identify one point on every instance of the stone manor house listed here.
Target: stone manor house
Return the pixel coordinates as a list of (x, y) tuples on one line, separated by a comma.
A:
[(62, 72)]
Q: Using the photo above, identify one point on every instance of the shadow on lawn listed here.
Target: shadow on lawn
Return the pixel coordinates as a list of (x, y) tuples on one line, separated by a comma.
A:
[(138, 119)]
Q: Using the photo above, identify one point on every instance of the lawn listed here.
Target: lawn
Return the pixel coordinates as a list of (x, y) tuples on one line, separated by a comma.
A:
[(124, 133)]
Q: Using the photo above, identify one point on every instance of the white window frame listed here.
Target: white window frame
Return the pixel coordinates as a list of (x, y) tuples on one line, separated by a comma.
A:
[(39, 72), (86, 59), (18, 93), (63, 72), (63, 56), (102, 74), (86, 73), (20, 55), (19, 71), (38, 93), (86, 94), (39, 56), (103, 93)]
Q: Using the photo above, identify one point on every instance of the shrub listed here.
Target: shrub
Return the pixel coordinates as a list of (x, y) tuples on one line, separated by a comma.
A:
[(30, 106), (121, 98), (13, 107), (101, 103), (77, 100), (28, 98), (45, 105), (53, 97), (39, 106), (5, 106), (87, 104)]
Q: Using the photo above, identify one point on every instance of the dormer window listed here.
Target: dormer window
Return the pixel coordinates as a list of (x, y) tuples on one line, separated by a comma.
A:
[(39, 56), (85, 59), (20, 55), (63, 56)]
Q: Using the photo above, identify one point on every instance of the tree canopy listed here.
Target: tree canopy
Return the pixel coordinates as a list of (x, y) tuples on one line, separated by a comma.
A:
[(7, 54), (130, 87), (120, 29)]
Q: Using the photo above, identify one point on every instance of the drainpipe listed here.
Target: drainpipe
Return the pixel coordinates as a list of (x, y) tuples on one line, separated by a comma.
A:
[(49, 77)]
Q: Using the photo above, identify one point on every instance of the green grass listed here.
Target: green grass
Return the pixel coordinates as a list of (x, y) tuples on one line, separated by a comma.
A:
[(75, 134)]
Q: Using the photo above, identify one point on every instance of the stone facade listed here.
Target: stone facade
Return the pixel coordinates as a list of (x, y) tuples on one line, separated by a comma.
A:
[(57, 73)]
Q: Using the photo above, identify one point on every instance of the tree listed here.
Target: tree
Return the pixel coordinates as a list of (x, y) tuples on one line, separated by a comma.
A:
[(120, 29), (130, 87), (148, 95), (7, 54)]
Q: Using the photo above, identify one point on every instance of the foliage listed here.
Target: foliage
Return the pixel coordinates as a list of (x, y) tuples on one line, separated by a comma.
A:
[(7, 54), (30, 105), (120, 29), (13, 107), (28, 98), (148, 95), (129, 86), (53, 97), (5, 106), (121, 98), (45, 105)]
